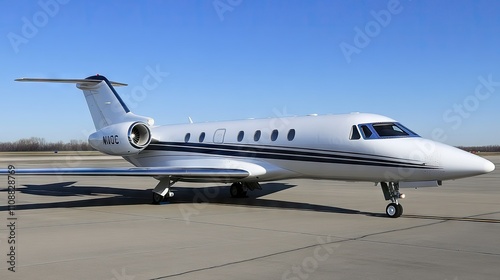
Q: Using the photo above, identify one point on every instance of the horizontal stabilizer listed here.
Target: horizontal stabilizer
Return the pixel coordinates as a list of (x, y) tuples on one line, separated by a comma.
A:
[(70, 81)]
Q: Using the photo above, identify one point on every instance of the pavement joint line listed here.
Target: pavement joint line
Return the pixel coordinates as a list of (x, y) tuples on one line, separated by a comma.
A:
[(256, 228), (430, 247), (344, 240), (456, 219)]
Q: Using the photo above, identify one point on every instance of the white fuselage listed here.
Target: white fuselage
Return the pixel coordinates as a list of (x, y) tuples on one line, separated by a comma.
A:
[(321, 147)]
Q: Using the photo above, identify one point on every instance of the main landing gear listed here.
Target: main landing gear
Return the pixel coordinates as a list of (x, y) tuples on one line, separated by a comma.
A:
[(239, 189), (391, 192), (162, 191)]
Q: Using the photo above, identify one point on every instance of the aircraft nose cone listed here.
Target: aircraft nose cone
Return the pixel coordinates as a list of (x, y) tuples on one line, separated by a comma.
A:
[(479, 165), (458, 164), (489, 166)]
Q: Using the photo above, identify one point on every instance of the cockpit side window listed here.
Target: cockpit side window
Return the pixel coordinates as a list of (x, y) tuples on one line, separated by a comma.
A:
[(354, 133), (366, 131)]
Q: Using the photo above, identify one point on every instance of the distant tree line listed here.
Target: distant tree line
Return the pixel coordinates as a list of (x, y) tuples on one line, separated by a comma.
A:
[(35, 144), (481, 149)]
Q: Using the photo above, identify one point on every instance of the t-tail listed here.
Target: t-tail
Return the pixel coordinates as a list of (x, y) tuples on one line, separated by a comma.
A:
[(118, 130)]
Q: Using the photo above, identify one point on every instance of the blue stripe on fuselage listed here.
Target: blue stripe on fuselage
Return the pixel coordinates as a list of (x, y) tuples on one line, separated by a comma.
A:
[(286, 153)]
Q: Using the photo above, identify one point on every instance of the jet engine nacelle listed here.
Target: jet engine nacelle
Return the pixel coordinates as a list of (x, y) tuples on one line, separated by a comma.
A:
[(121, 139)]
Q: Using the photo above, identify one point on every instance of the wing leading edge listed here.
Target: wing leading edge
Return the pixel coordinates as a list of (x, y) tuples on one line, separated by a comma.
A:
[(202, 174)]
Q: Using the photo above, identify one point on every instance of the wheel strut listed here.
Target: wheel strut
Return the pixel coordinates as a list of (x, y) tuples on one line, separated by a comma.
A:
[(391, 192), (162, 190)]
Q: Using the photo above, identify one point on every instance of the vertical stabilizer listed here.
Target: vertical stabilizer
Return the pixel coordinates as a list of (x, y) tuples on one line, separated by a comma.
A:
[(105, 105)]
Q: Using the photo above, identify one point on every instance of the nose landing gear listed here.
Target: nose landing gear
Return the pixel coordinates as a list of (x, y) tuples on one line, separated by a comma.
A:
[(391, 192), (394, 210)]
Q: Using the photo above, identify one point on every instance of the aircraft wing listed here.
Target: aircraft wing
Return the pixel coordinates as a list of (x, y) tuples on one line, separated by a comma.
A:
[(187, 173)]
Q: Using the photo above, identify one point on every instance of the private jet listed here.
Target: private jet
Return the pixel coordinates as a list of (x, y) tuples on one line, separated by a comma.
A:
[(243, 153)]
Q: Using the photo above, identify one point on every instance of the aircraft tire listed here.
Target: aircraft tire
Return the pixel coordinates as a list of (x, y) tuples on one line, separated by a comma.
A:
[(157, 198), (233, 190), (236, 190), (394, 210), (400, 209)]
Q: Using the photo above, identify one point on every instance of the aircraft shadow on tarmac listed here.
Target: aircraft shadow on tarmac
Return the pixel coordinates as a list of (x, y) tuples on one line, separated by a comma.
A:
[(107, 196)]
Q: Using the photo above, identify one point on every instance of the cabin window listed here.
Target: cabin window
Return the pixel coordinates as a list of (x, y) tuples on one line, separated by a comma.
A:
[(202, 137), (186, 138), (354, 133), (291, 134), (241, 134), (274, 135), (256, 136)]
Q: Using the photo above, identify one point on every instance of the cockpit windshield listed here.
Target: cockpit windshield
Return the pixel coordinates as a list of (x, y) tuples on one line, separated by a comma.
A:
[(388, 130), (385, 130)]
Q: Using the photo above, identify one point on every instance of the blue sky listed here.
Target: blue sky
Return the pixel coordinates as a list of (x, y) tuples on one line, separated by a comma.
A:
[(432, 65)]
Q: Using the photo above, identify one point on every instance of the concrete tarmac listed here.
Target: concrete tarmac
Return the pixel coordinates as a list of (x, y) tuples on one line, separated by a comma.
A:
[(106, 228)]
